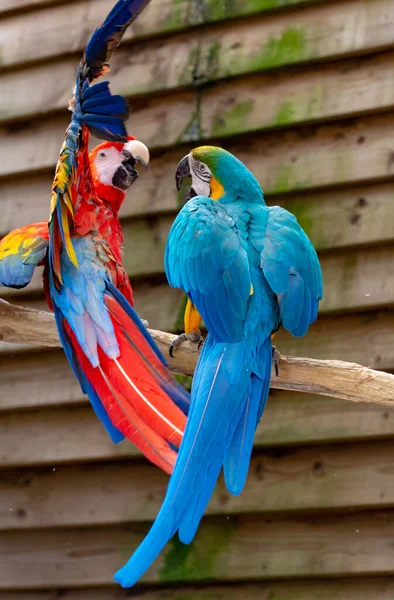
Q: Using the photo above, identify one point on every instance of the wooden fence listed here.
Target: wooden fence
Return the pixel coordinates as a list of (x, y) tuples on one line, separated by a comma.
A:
[(303, 92)]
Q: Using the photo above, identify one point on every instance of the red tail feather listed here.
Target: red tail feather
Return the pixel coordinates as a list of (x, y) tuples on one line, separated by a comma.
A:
[(129, 389)]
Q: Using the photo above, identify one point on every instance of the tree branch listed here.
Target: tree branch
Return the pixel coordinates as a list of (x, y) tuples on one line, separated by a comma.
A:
[(335, 378)]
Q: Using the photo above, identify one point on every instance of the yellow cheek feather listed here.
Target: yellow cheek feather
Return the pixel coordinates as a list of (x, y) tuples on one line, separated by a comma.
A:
[(192, 318), (217, 190)]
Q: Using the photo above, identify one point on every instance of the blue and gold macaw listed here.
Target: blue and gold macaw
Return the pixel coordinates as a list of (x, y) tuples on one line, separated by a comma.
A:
[(247, 269)]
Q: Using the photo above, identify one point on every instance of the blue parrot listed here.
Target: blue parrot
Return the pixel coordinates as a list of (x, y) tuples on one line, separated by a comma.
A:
[(248, 269)]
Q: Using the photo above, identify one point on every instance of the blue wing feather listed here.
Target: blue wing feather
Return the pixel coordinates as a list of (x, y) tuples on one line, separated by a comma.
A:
[(292, 269), (204, 240)]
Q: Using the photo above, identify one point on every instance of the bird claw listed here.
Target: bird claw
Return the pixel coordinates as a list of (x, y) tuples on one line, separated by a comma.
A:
[(194, 337), (145, 323), (276, 359)]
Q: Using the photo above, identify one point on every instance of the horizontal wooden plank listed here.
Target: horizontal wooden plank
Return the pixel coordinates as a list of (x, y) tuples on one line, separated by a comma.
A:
[(10, 6), (71, 433), (350, 217), (225, 549), (318, 32), (363, 338), (354, 279), (360, 589), (332, 219), (307, 480), (234, 107), (319, 92), (45, 37), (329, 155)]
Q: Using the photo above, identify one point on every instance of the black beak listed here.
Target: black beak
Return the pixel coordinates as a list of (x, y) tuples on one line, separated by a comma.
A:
[(182, 171), (126, 174)]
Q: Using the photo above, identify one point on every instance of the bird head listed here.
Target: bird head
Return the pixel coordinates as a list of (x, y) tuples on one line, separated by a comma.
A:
[(217, 174), (113, 167)]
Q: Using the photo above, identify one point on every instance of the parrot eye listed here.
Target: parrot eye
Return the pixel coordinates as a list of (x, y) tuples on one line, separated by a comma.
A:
[(201, 167), (102, 154)]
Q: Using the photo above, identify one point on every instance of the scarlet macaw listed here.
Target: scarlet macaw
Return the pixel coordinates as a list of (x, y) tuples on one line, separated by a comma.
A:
[(110, 351), (247, 269)]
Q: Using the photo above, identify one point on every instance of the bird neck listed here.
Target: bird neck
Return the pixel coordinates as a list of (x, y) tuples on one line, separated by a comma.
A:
[(109, 195)]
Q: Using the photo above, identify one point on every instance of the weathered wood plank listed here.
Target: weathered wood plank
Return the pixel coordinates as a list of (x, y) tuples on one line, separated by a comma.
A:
[(321, 92), (332, 219), (37, 379), (224, 549), (318, 32), (11, 6), (360, 589), (307, 480), (354, 280), (340, 379), (240, 106), (341, 218), (73, 433), (41, 35), (355, 152), (362, 338)]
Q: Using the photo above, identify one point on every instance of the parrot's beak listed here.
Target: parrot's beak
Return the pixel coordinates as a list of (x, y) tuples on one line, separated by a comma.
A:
[(125, 175), (138, 151), (182, 171)]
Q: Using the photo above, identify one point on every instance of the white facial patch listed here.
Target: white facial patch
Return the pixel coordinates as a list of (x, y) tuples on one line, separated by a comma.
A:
[(201, 177), (106, 162)]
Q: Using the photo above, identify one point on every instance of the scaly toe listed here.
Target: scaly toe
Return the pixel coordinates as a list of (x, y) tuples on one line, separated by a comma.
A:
[(194, 337), (276, 359), (176, 343)]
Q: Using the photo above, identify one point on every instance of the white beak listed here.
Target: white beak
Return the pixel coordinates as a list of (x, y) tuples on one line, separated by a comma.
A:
[(138, 151)]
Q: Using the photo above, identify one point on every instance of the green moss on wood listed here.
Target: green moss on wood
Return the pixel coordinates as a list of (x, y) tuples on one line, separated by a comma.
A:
[(193, 132), (210, 66), (216, 10), (232, 120), (187, 76), (181, 13), (289, 48), (284, 179), (285, 114), (197, 560)]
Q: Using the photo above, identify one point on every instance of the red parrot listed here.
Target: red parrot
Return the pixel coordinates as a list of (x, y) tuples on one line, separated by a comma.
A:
[(110, 351)]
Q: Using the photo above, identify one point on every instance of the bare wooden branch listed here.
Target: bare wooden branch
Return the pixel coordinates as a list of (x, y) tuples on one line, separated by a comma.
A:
[(335, 378)]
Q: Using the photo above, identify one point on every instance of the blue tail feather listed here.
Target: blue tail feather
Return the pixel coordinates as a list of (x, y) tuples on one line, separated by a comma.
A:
[(236, 464), (218, 401)]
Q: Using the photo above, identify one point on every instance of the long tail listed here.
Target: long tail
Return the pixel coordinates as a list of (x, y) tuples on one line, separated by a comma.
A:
[(229, 392), (132, 392)]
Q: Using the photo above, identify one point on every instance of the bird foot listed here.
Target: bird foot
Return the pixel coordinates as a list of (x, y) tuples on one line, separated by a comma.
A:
[(194, 337), (145, 323), (276, 359)]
